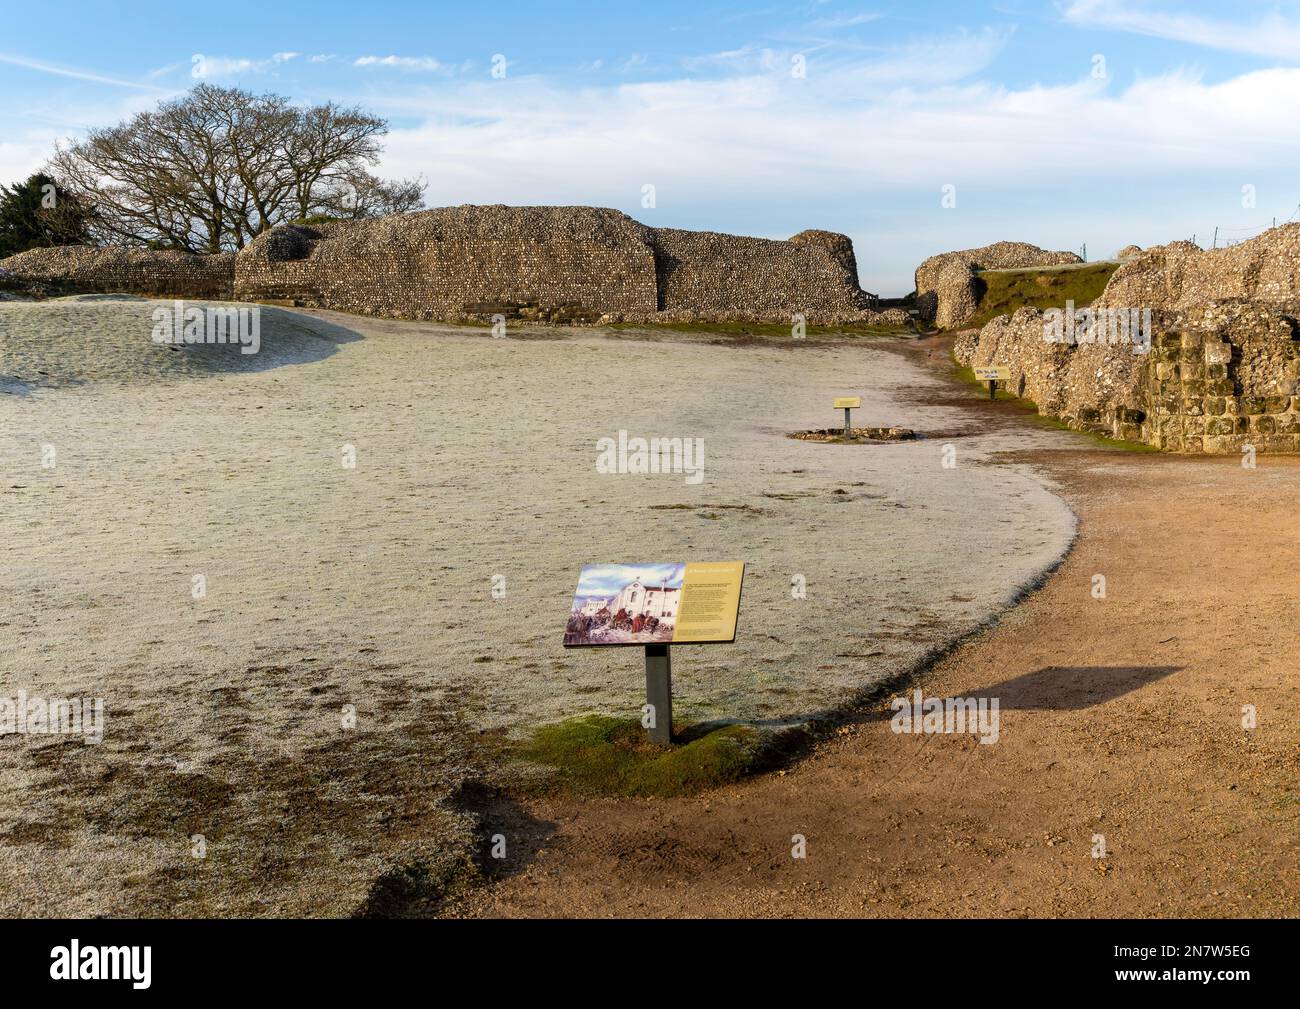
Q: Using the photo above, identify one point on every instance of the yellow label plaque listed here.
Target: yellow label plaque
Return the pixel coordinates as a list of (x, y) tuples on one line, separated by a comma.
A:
[(656, 604), (997, 373), (848, 402)]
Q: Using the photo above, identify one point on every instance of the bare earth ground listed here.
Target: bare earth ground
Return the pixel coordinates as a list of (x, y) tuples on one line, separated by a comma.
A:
[(331, 588), (1121, 717)]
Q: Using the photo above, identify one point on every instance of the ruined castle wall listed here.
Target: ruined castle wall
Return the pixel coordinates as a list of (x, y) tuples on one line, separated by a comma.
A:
[(1214, 379), (1225, 377), (559, 264), (709, 274), (457, 261), (1182, 275), (1093, 386), (947, 285), (114, 269)]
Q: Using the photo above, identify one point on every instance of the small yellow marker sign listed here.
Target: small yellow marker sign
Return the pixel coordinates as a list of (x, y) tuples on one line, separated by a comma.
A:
[(993, 375), (847, 403)]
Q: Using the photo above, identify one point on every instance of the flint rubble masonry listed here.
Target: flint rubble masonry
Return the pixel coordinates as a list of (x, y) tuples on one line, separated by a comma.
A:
[(1223, 370), (455, 264)]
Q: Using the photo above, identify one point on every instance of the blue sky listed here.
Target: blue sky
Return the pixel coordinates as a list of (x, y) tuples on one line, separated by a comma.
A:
[(601, 581), (1102, 122)]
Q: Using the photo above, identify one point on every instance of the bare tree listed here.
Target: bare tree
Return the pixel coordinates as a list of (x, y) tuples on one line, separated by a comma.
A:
[(359, 194), (216, 167)]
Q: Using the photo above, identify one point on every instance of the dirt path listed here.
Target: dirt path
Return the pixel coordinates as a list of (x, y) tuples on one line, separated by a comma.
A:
[(1120, 717)]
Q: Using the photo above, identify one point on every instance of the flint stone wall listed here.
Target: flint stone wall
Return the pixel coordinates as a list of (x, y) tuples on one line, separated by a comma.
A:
[(116, 270), (947, 287), (1182, 275), (456, 261), (1216, 378), (561, 264), (706, 274)]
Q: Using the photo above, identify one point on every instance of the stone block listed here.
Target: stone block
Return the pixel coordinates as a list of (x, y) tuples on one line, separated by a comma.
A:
[(1217, 352)]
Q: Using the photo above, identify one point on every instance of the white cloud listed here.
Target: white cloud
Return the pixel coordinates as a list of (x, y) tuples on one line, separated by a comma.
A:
[(423, 63), (1269, 34), (81, 75), (219, 66), (735, 154)]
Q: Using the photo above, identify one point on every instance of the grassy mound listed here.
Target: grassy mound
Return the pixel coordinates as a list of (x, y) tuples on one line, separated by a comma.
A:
[(1006, 290), (600, 755)]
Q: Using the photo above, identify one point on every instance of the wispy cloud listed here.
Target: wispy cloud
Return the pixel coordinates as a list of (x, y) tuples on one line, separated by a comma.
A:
[(943, 59), (840, 21), (1269, 34), (421, 63), (81, 75)]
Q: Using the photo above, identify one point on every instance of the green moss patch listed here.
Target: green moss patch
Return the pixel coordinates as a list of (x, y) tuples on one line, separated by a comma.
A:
[(1006, 290), (601, 755)]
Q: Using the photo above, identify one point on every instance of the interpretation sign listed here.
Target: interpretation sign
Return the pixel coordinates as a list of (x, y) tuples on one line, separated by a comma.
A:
[(648, 604)]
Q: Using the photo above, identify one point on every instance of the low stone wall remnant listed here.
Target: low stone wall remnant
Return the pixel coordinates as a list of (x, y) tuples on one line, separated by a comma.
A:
[(121, 270)]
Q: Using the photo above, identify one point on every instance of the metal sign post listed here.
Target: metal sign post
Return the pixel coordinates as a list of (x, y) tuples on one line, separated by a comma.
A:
[(847, 403), (659, 692)]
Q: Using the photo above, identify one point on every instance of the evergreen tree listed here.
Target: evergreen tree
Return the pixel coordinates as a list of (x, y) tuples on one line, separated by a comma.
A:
[(37, 214)]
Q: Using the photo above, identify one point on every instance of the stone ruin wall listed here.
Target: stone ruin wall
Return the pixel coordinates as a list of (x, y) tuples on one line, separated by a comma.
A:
[(119, 270), (558, 264), (1181, 275), (703, 274), (947, 286), (456, 262), (1215, 379), (1223, 369)]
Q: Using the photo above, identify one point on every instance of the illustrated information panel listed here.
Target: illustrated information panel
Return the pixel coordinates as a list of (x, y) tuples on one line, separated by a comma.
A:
[(647, 604)]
